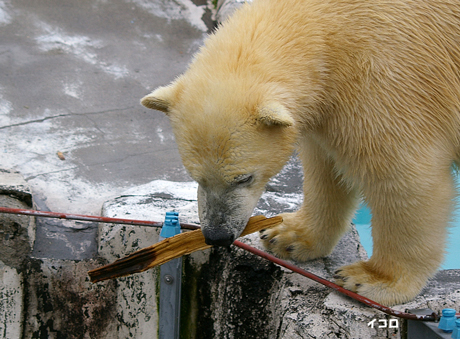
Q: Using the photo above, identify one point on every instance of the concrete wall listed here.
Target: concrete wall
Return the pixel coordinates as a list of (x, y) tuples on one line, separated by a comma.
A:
[(225, 293)]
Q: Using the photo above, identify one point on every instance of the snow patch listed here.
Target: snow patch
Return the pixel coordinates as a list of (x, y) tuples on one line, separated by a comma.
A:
[(175, 10), (5, 17), (270, 203), (177, 190), (151, 201), (67, 192), (73, 89), (5, 108), (34, 147), (82, 47), (160, 135), (115, 70)]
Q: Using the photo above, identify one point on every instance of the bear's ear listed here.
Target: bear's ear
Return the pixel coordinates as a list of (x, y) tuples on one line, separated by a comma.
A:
[(274, 114), (160, 99)]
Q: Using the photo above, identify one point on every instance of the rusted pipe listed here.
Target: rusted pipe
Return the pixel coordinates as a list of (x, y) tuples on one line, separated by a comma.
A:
[(364, 300), (81, 217), (360, 298)]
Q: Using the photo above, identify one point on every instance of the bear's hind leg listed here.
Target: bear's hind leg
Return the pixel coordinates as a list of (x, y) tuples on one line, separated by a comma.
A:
[(409, 227), (325, 215)]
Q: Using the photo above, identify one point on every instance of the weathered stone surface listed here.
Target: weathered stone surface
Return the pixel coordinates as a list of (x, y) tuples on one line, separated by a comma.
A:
[(230, 294), (17, 234), (249, 296), (137, 310), (15, 242), (226, 293), (11, 302), (63, 303), (47, 298), (136, 314), (137, 295), (225, 8), (13, 184)]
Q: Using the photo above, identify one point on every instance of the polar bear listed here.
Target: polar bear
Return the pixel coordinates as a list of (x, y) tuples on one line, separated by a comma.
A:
[(367, 91)]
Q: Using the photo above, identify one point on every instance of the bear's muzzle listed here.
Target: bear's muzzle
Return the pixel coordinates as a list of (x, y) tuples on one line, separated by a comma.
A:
[(218, 237)]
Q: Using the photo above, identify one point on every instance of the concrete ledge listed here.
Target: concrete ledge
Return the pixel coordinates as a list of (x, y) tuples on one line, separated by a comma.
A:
[(226, 293), (231, 293), (11, 302), (16, 193), (137, 295), (17, 235), (13, 184)]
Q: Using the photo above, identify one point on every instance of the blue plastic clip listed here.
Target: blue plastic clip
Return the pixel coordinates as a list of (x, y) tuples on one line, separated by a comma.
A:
[(170, 284), (456, 332), (447, 322), (171, 226)]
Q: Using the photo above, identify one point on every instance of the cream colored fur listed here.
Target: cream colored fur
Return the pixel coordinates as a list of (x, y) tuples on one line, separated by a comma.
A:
[(367, 90)]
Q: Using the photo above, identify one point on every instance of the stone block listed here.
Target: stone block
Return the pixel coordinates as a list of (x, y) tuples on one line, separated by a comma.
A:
[(44, 298), (17, 235), (230, 293), (11, 302), (16, 231), (137, 298), (63, 303)]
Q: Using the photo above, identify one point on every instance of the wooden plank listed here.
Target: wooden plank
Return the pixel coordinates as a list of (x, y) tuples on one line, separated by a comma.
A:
[(168, 249)]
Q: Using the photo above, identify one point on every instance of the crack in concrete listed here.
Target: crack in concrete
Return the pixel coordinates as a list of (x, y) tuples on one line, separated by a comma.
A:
[(51, 172), (97, 127), (91, 165), (125, 158), (23, 123)]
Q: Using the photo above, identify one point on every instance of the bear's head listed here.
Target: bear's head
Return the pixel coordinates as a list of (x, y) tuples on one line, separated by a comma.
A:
[(231, 141)]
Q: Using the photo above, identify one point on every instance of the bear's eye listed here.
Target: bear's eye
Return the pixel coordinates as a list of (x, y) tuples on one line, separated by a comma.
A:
[(244, 179)]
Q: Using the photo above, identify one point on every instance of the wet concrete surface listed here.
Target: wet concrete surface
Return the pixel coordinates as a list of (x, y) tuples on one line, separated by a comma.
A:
[(71, 76)]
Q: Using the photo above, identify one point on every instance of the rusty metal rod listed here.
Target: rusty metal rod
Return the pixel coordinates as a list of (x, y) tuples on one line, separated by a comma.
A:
[(356, 296), (360, 298), (81, 217)]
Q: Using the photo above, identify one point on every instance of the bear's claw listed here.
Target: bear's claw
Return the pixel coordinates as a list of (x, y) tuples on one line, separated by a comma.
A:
[(291, 240), (387, 289)]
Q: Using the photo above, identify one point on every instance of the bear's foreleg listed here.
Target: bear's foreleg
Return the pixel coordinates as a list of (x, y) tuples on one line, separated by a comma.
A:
[(409, 226), (325, 215)]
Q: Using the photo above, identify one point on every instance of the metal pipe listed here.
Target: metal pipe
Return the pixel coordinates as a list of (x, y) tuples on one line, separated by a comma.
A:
[(364, 300), (360, 298), (81, 217)]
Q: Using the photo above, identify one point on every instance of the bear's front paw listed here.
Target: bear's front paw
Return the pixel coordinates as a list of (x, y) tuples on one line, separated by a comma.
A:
[(292, 240), (385, 288)]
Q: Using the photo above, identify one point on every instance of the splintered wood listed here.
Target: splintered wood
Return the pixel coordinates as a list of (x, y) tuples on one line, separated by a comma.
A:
[(168, 249)]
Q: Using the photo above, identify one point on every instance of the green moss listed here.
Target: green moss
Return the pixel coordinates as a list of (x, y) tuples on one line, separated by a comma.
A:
[(156, 272), (189, 303)]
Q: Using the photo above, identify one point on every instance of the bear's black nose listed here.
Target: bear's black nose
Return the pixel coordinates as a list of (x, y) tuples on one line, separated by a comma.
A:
[(216, 238)]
